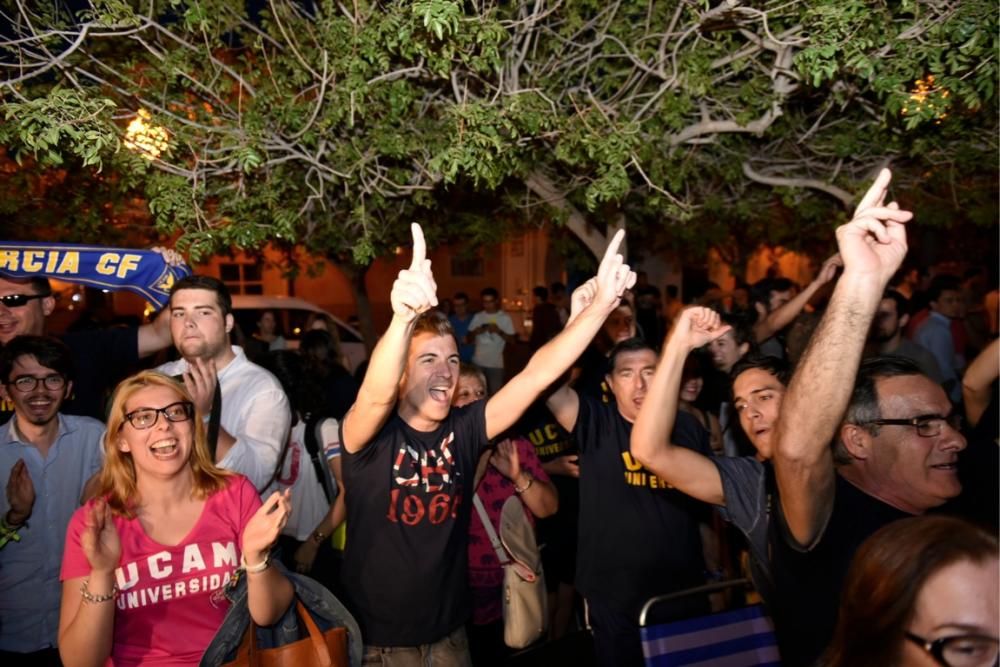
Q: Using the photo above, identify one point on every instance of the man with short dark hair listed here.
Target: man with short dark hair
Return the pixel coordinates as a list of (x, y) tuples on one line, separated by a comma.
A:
[(637, 536), (777, 302), (741, 486), (101, 357), (491, 329), (410, 458), (46, 459), (255, 417), (945, 299), (886, 335), (896, 449)]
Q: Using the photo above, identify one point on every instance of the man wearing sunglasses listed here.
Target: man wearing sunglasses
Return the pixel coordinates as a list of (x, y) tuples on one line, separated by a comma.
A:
[(895, 446), (46, 459), (101, 357)]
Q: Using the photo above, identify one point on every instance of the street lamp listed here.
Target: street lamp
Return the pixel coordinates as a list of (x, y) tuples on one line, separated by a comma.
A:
[(145, 138)]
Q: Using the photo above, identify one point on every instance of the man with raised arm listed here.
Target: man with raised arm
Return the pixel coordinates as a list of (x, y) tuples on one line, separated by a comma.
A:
[(637, 536), (894, 450), (410, 460), (739, 485)]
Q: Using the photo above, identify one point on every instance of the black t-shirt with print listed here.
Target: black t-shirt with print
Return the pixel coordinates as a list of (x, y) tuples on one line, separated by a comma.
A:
[(807, 584), (638, 537), (408, 497)]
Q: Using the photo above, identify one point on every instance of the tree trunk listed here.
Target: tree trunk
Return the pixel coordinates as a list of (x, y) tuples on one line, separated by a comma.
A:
[(356, 278)]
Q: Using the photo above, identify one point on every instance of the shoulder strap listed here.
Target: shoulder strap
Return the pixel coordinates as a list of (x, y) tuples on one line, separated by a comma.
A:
[(490, 531), (316, 455)]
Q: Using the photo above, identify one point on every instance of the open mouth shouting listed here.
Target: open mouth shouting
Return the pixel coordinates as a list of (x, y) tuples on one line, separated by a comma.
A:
[(165, 449)]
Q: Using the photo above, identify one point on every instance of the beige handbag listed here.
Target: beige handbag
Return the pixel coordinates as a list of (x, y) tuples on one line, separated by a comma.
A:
[(525, 602)]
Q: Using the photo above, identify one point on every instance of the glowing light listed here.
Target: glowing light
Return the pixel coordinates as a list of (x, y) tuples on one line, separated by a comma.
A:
[(925, 96), (145, 138)]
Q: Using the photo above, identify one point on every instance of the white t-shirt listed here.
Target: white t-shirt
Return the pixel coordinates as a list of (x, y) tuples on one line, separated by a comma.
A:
[(309, 503), (489, 346)]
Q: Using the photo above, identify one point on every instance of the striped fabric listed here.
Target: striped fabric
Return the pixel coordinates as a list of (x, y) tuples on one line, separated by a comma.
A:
[(739, 638)]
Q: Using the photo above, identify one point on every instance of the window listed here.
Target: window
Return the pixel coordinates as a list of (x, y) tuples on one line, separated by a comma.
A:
[(242, 278)]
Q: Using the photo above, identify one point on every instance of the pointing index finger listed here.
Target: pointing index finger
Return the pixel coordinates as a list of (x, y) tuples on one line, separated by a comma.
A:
[(419, 248), (614, 245)]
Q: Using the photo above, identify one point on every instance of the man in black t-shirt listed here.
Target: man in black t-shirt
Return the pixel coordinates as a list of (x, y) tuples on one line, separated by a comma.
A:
[(895, 450), (409, 461), (101, 357), (638, 537)]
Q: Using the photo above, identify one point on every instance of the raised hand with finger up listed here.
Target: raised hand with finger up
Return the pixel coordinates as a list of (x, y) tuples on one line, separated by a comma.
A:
[(414, 291), (614, 276), (873, 243)]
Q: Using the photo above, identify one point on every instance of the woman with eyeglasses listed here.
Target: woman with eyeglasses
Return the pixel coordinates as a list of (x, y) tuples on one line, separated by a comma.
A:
[(146, 561), (920, 592)]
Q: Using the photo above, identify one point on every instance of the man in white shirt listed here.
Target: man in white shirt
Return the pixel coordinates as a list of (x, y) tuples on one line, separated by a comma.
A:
[(255, 416), (491, 329)]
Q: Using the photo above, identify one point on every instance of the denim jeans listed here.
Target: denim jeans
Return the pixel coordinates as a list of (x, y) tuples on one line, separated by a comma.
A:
[(451, 651)]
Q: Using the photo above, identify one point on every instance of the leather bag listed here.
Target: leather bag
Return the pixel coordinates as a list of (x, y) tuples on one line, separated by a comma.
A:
[(319, 649), (525, 602)]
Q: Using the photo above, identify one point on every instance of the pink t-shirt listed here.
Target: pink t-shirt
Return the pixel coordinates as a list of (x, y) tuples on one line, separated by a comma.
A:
[(170, 605)]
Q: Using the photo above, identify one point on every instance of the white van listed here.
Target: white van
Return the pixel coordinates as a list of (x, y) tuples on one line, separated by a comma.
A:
[(292, 313)]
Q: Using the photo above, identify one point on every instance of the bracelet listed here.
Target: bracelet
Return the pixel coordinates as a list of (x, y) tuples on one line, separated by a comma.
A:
[(95, 599), (255, 569), (318, 537), (8, 533), (531, 480)]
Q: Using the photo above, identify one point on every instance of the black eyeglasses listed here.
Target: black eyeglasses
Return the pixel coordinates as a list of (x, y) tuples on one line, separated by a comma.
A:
[(144, 418), (18, 300), (26, 383), (960, 650), (927, 426)]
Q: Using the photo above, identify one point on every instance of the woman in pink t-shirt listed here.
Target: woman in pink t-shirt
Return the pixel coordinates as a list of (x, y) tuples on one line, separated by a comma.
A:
[(147, 560)]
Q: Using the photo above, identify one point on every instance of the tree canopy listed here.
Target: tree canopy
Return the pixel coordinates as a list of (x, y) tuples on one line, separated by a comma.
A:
[(334, 124)]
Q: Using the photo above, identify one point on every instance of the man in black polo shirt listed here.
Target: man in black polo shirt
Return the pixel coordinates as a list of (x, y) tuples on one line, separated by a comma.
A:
[(895, 450), (410, 460), (101, 357)]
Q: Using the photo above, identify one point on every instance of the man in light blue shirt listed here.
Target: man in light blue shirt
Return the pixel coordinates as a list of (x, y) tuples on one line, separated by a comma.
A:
[(46, 460), (935, 333)]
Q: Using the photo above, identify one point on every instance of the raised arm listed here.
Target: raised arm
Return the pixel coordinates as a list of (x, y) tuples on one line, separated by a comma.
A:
[(564, 403), (872, 246), (978, 380), (413, 293), (690, 472), (556, 356), (783, 316)]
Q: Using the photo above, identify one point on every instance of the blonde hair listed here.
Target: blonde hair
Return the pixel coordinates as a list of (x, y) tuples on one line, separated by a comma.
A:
[(118, 480)]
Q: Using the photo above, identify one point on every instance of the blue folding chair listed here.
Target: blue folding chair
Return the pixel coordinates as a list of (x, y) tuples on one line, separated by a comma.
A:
[(741, 637)]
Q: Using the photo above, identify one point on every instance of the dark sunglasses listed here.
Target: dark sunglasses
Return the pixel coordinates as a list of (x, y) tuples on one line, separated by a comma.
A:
[(18, 300)]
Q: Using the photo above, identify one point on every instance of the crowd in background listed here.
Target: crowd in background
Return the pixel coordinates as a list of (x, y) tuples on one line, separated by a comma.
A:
[(657, 441)]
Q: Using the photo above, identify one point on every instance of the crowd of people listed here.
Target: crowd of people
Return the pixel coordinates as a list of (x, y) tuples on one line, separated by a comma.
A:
[(831, 443)]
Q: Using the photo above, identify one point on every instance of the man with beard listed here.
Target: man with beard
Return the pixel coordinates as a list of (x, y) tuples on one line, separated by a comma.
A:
[(886, 335), (47, 459), (251, 413)]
